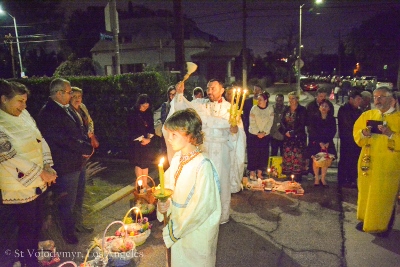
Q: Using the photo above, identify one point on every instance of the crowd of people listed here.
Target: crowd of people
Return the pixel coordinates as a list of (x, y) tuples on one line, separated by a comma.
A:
[(206, 155)]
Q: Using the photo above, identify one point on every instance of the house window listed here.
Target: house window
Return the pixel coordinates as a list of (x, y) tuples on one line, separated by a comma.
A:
[(132, 68)]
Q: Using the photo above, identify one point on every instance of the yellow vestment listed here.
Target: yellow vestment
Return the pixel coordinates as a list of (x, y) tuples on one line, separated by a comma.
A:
[(377, 190)]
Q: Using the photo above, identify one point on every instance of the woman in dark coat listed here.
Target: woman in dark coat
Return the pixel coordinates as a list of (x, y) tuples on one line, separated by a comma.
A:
[(141, 130), (294, 143), (321, 130)]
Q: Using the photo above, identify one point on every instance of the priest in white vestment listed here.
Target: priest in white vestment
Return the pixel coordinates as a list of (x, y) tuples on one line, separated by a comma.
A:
[(225, 145)]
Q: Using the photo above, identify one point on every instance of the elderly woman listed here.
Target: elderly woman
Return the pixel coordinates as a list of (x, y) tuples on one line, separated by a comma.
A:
[(198, 93), (321, 130), (261, 119), (88, 125), (25, 167), (294, 143), (141, 127), (83, 114)]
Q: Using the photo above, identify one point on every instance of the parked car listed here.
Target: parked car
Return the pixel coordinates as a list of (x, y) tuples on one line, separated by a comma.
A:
[(368, 81), (309, 87), (384, 83)]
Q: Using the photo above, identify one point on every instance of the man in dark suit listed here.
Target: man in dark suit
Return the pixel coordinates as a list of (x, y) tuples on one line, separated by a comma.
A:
[(69, 147)]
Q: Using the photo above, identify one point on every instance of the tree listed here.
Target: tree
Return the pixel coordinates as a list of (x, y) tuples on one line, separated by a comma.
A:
[(77, 67), (83, 30), (376, 43)]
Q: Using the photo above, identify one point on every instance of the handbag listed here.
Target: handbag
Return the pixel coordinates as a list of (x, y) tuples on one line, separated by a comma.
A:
[(332, 96), (94, 142)]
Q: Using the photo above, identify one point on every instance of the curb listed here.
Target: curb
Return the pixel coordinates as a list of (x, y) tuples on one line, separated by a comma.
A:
[(120, 194)]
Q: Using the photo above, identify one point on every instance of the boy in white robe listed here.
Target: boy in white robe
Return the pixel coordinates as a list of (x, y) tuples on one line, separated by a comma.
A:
[(194, 210)]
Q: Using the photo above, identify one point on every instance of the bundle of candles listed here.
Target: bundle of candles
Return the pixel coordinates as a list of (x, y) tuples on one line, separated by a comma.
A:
[(236, 111)]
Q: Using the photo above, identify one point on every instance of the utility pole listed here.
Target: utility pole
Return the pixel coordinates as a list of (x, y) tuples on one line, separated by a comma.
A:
[(340, 55), (179, 41), (8, 40), (115, 30), (244, 52)]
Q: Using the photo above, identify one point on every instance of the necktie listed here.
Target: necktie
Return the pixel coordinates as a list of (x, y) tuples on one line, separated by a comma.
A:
[(69, 113)]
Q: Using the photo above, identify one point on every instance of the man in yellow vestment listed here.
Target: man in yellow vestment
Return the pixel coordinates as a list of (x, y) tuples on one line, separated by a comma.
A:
[(378, 170)]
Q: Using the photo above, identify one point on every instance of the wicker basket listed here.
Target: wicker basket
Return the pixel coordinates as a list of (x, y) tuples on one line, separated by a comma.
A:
[(323, 163), (140, 238), (148, 196), (118, 258)]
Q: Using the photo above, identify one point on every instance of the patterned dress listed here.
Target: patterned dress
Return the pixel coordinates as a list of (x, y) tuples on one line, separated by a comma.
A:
[(293, 160)]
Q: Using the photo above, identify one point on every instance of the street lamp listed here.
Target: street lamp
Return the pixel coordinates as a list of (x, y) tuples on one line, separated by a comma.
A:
[(299, 63), (16, 36)]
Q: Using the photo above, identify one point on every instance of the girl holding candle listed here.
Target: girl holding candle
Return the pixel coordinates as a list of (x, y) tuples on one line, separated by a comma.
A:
[(194, 216)]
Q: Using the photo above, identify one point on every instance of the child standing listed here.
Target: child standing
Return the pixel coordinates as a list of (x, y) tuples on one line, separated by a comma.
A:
[(336, 92), (193, 225)]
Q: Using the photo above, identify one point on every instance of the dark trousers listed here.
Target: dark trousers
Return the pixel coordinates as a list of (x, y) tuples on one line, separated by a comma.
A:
[(257, 152), (276, 145), (347, 166), (29, 218), (66, 189), (79, 197)]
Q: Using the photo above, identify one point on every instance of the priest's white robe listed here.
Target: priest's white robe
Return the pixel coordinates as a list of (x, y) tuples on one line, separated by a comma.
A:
[(226, 150), (195, 211)]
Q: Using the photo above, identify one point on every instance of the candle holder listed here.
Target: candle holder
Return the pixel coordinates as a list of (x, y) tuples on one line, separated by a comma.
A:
[(235, 110), (163, 197)]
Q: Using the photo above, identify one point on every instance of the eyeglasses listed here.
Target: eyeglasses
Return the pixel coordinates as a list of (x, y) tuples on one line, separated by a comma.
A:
[(67, 92), (380, 97)]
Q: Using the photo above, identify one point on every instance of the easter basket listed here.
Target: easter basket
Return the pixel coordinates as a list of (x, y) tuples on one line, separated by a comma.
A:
[(144, 193), (323, 159), (139, 230), (120, 250)]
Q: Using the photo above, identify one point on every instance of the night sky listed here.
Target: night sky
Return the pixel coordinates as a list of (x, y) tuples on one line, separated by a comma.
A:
[(269, 20)]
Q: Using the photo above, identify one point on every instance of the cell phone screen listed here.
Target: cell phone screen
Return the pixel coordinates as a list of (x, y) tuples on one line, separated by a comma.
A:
[(374, 126)]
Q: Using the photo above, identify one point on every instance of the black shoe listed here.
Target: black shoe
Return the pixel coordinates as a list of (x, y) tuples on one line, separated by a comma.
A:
[(71, 238), (360, 226), (83, 229)]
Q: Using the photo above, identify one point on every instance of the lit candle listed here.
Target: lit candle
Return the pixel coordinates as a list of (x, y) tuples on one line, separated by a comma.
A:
[(269, 171), (238, 97), (243, 98), (292, 176), (161, 174), (233, 96), (140, 182)]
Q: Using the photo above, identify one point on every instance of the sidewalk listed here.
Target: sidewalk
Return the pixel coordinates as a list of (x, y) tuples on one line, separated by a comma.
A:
[(275, 229)]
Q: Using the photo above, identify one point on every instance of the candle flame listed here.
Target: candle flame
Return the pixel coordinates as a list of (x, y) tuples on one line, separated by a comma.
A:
[(269, 169), (161, 161), (126, 227), (292, 176), (136, 211), (140, 182)]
